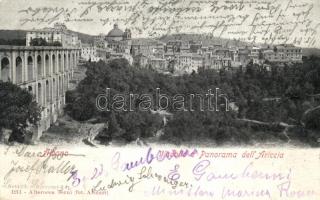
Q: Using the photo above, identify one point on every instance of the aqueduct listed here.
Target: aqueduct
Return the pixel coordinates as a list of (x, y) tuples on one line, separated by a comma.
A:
[(45, 72)]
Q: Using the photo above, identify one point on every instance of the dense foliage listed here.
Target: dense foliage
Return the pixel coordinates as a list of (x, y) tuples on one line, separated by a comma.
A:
[(271, 95), (18, 110), (121, 78), (14, 42), (43, 42)]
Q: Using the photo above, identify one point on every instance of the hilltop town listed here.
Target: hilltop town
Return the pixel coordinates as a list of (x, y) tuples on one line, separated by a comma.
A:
[(179, 56), (51, 63)]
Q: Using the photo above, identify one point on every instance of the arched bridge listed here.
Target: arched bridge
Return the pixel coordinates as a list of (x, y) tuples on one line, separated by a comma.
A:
[(45, 72)]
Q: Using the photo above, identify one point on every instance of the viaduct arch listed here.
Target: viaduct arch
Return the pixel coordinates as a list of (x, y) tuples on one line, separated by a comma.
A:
[(45, 72)]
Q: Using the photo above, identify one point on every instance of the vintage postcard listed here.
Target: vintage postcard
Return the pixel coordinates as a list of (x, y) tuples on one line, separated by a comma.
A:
[(159, 99)]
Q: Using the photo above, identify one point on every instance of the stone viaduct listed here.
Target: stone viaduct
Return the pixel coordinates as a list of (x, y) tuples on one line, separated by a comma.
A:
[(45, 72)]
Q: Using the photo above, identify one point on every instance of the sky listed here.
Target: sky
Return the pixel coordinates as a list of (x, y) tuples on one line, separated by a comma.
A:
[(27, 14)]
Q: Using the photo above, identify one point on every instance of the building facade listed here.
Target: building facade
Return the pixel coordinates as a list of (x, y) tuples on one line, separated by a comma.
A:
[(119, 41), (158, 64), (188, 62), (283, 53), (59, 33), (93, 53)]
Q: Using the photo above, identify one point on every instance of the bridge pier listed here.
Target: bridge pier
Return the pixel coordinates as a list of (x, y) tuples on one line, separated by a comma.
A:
[(45, 72)]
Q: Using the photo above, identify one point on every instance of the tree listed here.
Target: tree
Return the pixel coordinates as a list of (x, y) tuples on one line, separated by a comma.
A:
[(114, 127), (15, 42), (270, 97), (18, 110), (43, 42), (81, 109), (38, 42), (56, 43)]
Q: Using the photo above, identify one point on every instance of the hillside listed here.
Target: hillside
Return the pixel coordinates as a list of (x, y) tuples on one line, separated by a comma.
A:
[(21, 34), (85, 38), (311, 51), (205, 39), (12, 34)]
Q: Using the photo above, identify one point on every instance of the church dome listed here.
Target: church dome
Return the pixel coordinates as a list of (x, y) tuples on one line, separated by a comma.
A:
[(115, 32)]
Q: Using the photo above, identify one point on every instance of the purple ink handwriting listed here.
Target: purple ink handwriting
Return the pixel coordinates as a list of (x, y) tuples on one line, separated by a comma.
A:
[(201, 171), (150, 157)]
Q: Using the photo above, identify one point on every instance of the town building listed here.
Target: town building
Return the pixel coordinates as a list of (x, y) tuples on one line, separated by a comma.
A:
[(256, 55), (147, 47), (185, 47), (188, 62), (218, 58), (113, 55), (195, 47), (243, 57), (58, 34), (100, 41), (283, 53), (93, 53), (119, 41), (173, 46), (158, 64), (158, 50)]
